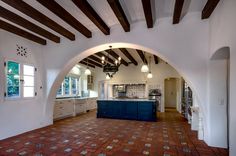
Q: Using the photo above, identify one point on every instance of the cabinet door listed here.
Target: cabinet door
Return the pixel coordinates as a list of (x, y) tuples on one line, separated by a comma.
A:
[(146, 111), (118, 110), (131, 110)]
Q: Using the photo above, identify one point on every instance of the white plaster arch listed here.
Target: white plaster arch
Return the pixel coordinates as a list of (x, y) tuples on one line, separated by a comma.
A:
[(184, 46)]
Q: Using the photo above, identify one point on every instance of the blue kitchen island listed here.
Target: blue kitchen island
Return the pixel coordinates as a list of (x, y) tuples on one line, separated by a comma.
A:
[(131, 109)]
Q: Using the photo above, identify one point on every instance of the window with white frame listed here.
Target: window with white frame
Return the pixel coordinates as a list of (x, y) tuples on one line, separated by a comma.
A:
[(69, 87), (20, 80)]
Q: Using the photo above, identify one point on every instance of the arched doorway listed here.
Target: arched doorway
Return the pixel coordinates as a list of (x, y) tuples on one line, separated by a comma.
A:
[(219, 97)]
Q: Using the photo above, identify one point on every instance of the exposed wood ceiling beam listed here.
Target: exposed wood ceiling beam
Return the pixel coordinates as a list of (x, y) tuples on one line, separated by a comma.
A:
[(86, 8), (113, 54), (177, 11), (66, 16), (86, 64), (155, 59), (129, 56), (4, 13), (100, 54), (94, 58), (142, 56), (92, 62), (11, 28), (38, 16), (148, 12), (209, 8), (119, 12)]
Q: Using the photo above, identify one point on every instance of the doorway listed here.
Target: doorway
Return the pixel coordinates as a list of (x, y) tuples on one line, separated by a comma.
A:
[(170, 93)]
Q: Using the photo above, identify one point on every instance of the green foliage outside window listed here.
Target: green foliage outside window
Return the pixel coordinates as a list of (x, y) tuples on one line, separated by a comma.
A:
[(13, 82), (67, 85)]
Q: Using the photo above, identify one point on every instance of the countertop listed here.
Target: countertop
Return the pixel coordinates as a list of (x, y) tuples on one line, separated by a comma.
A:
[(74, 98), (126, 100)]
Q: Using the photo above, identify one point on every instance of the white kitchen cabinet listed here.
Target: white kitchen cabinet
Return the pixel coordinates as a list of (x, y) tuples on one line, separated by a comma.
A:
[(70, 107)]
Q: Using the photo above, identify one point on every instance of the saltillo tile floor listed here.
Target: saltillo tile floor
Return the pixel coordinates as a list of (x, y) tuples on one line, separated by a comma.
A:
[(87, 135)]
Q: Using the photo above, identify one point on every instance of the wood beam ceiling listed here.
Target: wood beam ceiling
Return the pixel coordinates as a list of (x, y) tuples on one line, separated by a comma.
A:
[(38, 16), (128, 55), (94, 58), (92, 62), (86, 64), (66, 16), (116, 56), (13, 29), (156, 59), (87, 9), (177, 11), (100, 54), (4, 13), (148, 12), (209, 8), (119, 12), (142, 56)]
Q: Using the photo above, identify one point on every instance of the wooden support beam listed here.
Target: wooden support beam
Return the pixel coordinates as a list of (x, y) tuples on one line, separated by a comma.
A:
[(129, 56), (156, 59), (142, 56), (100, 54), (113, 54), (38, 16), (96, 59), (92, 62), (66, 16), (13, 29), (209, 8), (85, 63), (4, 13), (119, 12), (177, 11), (87, 9), (148, 12)]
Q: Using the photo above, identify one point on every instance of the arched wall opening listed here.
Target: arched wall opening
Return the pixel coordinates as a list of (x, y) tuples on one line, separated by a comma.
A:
[(88, 52), (219, 98)]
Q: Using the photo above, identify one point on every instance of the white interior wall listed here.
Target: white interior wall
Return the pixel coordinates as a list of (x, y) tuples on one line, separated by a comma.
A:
[(18, 116), (222, 34), (218, 103), (132, 74)]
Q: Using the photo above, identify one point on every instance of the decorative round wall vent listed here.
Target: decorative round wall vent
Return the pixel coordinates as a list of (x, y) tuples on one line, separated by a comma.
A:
[(21, 51)]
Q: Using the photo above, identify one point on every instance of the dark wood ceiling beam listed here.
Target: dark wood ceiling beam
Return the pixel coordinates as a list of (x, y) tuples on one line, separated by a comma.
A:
[(4, 13), (129, 56), (38, 16), (142, 56), (87, 9), (156, 59), (148, 12), (86, 64), (96, 59), (119, 12), (209, 8), (113, 54), (92, 62), (66, 16), (13, 29), (177, 11), (100, 54)]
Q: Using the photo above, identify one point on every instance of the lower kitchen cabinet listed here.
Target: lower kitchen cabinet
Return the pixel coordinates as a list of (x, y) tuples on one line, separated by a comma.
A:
[(133, 110), (70, 107)]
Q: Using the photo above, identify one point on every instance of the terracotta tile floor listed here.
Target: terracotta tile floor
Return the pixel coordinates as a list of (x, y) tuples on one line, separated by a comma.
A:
[(87, 135)]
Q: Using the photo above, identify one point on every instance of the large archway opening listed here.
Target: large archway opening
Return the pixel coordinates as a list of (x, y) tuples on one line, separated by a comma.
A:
[(133, 76)]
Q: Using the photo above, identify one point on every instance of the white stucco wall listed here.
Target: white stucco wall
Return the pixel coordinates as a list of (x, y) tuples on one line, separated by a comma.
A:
[(222, 34), (18, 116)]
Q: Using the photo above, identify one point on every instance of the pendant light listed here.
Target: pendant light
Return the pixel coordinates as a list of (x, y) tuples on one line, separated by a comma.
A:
[(87, 71), (108, 77), (149, 76), (144, 68)]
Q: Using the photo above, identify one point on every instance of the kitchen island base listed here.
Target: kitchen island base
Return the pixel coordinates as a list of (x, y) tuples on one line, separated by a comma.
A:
[(130, 109)]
